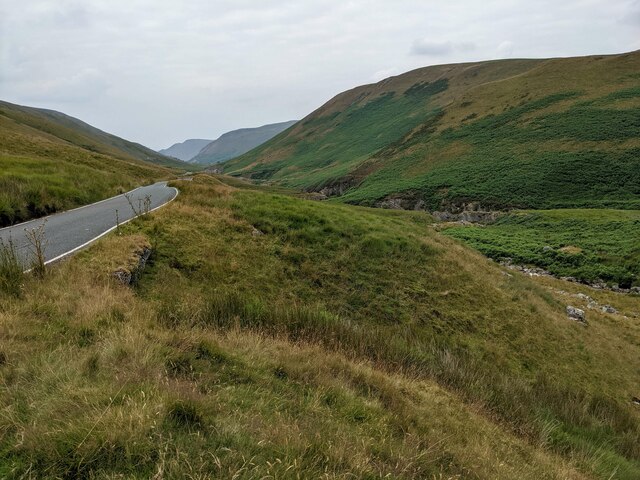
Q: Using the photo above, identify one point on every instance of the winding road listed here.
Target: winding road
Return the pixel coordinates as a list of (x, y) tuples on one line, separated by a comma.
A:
[(69, 231)]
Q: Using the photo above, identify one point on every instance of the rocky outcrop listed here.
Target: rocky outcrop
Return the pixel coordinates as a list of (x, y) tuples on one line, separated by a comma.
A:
[(130, 274), (468, 217), (471, 212), (338, 188)]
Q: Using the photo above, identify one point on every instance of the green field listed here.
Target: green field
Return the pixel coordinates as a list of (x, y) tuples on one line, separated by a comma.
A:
[(607, 242), (286, 337)]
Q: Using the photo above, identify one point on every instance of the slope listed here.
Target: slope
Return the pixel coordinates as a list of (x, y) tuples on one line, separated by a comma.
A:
[(295, 339), (551, 133), (237, 142), (186, 150), (79, 133), (47, 166)]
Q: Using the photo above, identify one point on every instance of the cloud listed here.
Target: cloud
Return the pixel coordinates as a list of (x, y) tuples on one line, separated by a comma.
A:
[(505, 49), (632, 17), (436, 49), (428, 47), (157, 71)]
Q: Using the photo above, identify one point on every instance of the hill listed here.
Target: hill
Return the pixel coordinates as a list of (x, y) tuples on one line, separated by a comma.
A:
[(81, 134), (553, 133), (286, 338), (237, 142), (50, 161), (186, 150)]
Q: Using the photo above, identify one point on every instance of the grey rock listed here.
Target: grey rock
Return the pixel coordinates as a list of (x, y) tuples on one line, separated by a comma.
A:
[(608, 309), (129, 277), (547, 248), (256, 233), (584, 297), (576, 314)]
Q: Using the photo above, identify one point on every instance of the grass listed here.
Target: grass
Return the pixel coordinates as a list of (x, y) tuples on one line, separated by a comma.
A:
[(532, 175), (40, 174), (543, 134), (342, 342), (335, 144), (589, 245), (68, 130), (10, 269)]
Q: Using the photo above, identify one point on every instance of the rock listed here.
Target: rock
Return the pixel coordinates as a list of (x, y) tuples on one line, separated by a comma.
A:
[(634, 289), (391, 203), (471, 216), (635, 400), (584, 297), (129, 276), (547, 248), (339, 187), (576, 314), (569, 279), (608, 309), (256, 233)]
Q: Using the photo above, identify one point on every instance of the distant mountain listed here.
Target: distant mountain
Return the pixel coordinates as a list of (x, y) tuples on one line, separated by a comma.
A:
[(237, 142), (550, 133), (82, 134), (186, 150)]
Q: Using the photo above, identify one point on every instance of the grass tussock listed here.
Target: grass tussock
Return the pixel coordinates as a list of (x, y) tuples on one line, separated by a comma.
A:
[(11, 276)]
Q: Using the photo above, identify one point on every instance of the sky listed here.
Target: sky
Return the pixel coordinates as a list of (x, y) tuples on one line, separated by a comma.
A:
[(159, 72)]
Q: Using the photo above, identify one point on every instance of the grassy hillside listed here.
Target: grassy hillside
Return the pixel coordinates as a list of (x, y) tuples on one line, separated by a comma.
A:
[(76, 132), (559, 133), (47, 165), (288, 338), (589, 245)]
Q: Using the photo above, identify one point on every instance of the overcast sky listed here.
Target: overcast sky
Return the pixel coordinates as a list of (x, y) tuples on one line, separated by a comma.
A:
[(158, 71)]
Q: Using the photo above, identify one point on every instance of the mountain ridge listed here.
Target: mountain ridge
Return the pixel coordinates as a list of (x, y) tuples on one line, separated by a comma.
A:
[(185, 150), (237, 142)]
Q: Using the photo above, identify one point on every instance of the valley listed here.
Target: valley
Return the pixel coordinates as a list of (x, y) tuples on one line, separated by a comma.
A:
[(347, 300)]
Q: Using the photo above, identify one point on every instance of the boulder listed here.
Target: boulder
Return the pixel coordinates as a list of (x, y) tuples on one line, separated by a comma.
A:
[(608, 309), (576, 314)]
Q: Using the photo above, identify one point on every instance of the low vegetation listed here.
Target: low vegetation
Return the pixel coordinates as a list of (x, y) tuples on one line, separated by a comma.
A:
[(589, 245), (543, 134), (287, 338)]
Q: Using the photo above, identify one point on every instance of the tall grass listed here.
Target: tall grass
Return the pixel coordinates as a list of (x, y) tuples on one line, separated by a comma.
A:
[(528, 407), (11, 269)]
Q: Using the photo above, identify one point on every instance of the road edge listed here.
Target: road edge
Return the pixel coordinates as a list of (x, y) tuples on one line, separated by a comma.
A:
[(89, 242)]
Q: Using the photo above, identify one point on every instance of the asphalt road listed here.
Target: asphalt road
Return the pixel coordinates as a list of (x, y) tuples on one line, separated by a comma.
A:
[(69, 231)]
